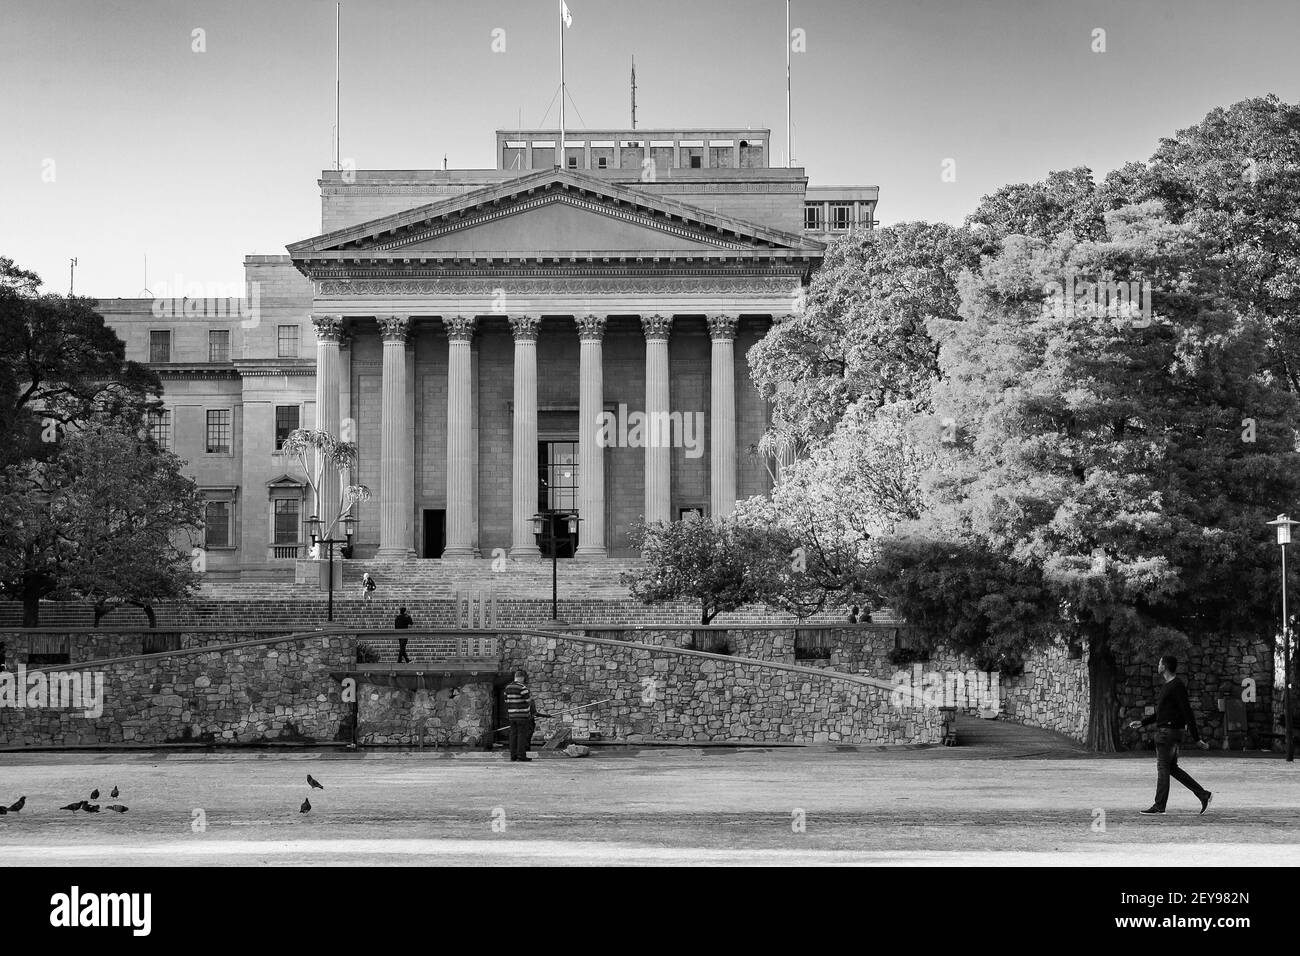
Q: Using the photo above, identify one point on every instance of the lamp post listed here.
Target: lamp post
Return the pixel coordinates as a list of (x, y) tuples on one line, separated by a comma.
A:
[(1283, 525), (547, 521), (314, 526)]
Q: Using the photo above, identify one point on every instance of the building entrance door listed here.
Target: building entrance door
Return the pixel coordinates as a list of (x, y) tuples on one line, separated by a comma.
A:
[(435, 532), (557, 494)]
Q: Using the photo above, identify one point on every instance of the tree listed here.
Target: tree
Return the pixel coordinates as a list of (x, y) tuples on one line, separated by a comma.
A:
[(1235, 179), (133, 516), (63, 364), (102, 520), (315, 452), (1066, 201), (719, 563), (1105, 456), (831, 505), (862, 338)]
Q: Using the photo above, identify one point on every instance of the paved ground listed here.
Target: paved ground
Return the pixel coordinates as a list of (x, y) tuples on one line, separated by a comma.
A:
[(1028, 800)]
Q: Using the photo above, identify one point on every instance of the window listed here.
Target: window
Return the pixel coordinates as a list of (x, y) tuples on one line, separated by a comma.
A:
[(571, 159), (218, 431), (218, 345), (602, 162), (286, 420), (864, 214), (812, 215), (160, 346), (286, 520), (286, 341), (692, 157), (557, 475), (216, 524), (841, 215), (160, 428)]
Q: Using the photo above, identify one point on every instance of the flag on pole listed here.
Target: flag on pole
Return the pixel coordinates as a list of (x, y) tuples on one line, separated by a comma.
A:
[(564, 14)]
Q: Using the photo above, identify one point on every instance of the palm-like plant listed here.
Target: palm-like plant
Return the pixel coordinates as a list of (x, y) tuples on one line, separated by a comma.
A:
[(315, 451)]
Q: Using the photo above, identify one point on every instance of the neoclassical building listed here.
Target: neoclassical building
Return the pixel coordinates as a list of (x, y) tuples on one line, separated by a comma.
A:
[(531, 339)]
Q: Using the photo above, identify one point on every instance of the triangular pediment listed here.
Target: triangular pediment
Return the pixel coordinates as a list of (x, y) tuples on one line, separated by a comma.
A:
[(553, 212)]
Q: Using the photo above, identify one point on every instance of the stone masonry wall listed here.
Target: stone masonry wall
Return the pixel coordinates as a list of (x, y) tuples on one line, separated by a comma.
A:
[(663, 697), (263, 692)]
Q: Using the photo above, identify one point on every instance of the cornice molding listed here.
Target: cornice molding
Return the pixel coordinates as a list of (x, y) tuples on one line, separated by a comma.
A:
[(487, 286)]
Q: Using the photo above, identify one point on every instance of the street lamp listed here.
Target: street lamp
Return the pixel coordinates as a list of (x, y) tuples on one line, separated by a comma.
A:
[(547, 522), (1283, 525), (314, 527)]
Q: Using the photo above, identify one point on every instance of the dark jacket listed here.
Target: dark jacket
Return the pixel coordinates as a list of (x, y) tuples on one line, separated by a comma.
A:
[(402, 622), (1173, 709)]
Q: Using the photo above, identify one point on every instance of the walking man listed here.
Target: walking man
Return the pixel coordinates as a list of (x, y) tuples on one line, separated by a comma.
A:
[(401, 623), (522, 710), (1173, 714), (367, 587)]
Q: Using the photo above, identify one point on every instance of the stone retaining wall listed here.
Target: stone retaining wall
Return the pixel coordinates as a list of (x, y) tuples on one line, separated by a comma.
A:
[(256, 693)]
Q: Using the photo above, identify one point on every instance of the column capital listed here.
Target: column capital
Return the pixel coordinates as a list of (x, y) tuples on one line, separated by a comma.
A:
[(460, 328), (394, 327), (524, 326), (329, 328), (656, 326), (722, 325), (591, 327)]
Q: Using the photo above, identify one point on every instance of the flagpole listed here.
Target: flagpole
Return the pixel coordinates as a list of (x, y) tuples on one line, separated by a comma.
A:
[(338, 132), (789, 147), (559, 152)]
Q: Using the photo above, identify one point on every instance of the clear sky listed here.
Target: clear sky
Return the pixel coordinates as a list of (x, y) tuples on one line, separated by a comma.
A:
[(198, 158)]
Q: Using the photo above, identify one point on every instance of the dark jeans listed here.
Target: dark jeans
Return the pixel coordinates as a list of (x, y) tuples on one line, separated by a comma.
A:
[(1167, 741), (401, 650), (521, 733)]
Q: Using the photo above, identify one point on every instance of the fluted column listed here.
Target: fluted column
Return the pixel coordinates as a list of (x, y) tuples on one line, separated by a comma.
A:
[(591, 456), (523, 544), (722, 416), (658, 438), (460, 460), (329, 331), (395, 459)]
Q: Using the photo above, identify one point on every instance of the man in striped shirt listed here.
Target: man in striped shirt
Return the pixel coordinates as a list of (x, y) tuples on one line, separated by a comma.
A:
[(521, 709)]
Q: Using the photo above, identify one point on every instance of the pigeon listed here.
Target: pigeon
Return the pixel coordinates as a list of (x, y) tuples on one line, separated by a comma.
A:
[(314, 783), (118, 808), (74, 806), (306, 807), (113, 794), (91, 808), (22, 802), (94, 794)]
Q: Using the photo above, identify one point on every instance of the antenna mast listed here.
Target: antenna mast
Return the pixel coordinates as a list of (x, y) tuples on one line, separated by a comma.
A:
[(634, 91), (338, 133), (789, 148)]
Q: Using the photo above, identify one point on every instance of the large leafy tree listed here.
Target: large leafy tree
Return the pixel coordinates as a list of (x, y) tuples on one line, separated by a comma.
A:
[(861, 338), (60, 363), (720, 564), (1105, 457), (1235, 179), (107, 519), (1066, 201)]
